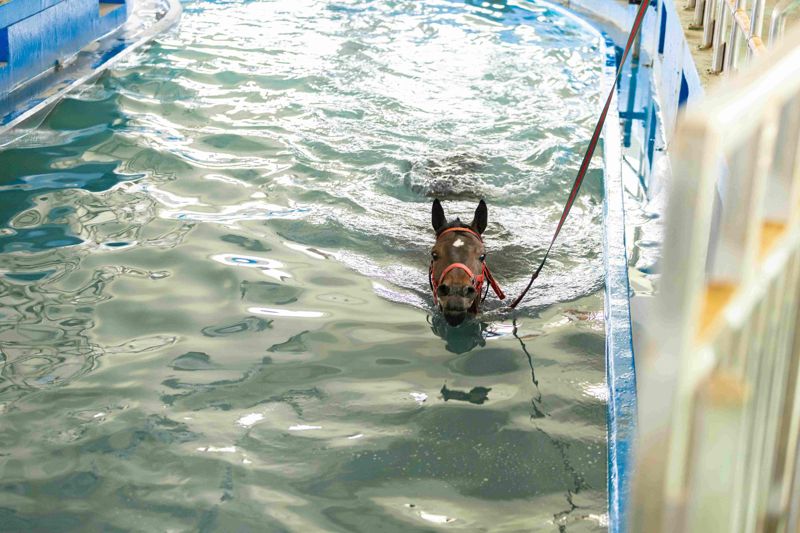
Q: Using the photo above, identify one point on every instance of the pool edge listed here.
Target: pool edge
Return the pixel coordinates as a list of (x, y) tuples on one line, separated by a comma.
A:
[(620, 366)]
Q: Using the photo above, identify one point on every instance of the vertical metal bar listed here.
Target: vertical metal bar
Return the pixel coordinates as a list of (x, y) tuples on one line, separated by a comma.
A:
[(709, 22), (756, 23), (733, 42), (793, 168), (749, 452), (777, 24), (751, 179), (757, 18), (793, 523), (767, 390), (790, 470), (633, 79), (781, 411), (749, 330), (718, 52), (720, 401), (782, 193), (699, 10)]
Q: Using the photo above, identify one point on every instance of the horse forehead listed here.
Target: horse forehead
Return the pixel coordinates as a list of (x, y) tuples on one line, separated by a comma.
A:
[(466, 253), (461, 240)]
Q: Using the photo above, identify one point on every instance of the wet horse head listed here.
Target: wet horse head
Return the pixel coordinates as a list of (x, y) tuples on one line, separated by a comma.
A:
[(457, 270)]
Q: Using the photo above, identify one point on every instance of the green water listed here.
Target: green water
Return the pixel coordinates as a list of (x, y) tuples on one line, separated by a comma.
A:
[(215, 315)]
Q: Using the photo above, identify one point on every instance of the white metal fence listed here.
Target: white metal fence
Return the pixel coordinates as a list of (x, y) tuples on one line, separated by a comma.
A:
[(719, 402), (734, 32), (731, 30)]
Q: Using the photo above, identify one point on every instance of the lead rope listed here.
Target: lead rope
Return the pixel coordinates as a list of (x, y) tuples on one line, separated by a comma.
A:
[(637, 23)]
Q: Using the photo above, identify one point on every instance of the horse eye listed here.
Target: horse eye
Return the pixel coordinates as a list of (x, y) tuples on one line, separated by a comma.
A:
[(483, 257), (434, 255)]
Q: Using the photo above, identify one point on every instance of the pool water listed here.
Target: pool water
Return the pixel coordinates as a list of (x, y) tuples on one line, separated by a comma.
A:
[(215, 315)]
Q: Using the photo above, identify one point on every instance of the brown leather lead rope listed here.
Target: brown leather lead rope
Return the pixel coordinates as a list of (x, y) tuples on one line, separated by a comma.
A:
[(587, 157)]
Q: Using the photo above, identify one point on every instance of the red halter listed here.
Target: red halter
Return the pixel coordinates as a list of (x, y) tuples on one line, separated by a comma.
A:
[(477, 281)]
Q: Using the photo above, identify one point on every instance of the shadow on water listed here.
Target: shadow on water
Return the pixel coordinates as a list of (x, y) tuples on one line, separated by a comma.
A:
[(476, 395), (567, 516), (466, 337), (536, 400)]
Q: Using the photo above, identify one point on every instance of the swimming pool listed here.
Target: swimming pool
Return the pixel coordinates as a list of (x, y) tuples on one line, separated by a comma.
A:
[(215, 311)]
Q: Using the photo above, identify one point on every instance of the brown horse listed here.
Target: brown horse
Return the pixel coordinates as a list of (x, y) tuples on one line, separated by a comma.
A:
[(458, 269)]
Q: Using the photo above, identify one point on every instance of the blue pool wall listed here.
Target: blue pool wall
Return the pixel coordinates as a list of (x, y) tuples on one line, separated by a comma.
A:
[(674, 76), (40, 35), (676, 82), (675, 73)]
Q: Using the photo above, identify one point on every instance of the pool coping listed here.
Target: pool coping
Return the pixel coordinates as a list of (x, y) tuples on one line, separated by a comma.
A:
[(620, 365)]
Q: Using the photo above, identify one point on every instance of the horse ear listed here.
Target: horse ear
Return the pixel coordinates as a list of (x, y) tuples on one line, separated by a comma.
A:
[(438, 219), (481, 218)]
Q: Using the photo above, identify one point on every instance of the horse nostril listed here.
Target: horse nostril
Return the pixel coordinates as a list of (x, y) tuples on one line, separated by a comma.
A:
[(443, 290), (469, 291)]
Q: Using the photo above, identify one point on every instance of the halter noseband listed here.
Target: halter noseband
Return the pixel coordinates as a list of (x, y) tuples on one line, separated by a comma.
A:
[(477, 281)]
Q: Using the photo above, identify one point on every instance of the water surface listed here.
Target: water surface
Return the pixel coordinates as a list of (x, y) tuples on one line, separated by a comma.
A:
[(214, 308)]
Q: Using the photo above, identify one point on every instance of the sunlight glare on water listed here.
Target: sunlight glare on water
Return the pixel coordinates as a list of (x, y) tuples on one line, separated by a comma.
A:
[(215, 313)]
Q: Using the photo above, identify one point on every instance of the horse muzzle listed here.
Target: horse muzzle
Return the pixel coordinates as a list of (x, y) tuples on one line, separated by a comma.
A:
[(456, 310), (454, 317)]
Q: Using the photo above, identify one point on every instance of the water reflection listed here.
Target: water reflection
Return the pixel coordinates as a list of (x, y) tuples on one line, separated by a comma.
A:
[(536, 400), (461, 339), (286, 313), (269, 267)]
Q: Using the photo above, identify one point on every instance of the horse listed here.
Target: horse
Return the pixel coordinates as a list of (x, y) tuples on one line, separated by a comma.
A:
[(458, 264)]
